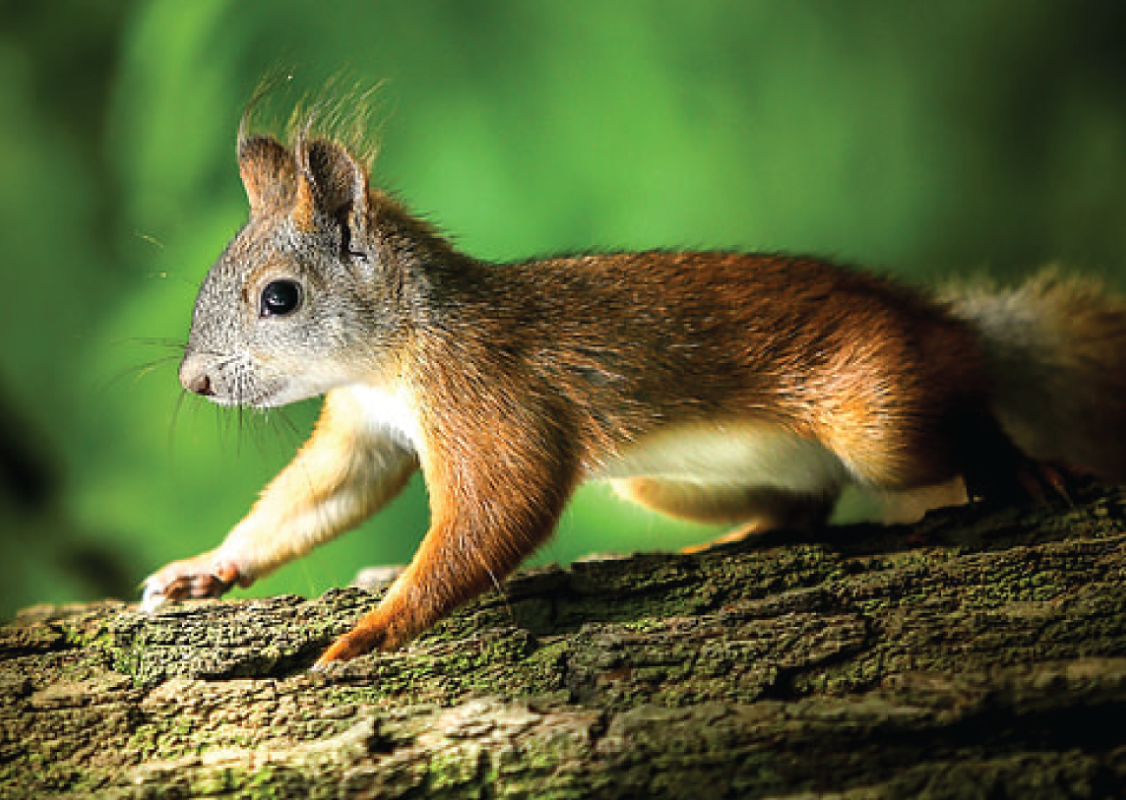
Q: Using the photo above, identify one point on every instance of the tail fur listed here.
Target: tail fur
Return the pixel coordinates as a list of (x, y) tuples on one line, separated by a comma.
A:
[(1055, 348)]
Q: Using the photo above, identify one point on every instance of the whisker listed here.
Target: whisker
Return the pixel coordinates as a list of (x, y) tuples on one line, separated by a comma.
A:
[(501, 590), (153, 341), (135, 371), (263, 430), (241, 430), (175, 418), (288, 426), (144, 237), (223, 423), (248, 423), (144, 369)]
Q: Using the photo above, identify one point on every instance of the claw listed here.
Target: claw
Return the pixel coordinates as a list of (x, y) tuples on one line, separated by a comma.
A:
[(339, 651), (361, 640), (152, 599)]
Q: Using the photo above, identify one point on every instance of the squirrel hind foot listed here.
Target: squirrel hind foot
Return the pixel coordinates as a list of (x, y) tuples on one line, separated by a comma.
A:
[(1026, 481), (1051, 482)]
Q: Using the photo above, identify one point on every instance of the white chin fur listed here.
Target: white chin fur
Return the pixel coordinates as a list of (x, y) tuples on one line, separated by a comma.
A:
[(277, 396)]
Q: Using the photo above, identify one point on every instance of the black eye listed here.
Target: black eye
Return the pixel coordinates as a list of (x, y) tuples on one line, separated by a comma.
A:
[(280, 298)]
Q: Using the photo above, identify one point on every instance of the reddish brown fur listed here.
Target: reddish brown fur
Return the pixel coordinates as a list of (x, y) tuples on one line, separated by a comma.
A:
[(619, 345), (509, 385), (543, 369)]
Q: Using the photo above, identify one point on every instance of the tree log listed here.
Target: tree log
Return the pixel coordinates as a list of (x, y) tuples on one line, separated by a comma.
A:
[(979, 653)]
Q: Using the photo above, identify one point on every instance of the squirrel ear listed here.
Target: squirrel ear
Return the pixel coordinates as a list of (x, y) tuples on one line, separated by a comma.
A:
[(330, 181), (267, 170)]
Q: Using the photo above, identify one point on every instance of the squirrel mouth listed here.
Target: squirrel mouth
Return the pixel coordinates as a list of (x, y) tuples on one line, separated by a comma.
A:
[(265, 400), (262, 400), (275, 396)]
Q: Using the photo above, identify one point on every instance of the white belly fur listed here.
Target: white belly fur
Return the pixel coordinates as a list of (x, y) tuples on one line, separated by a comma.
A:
[(731, 455)]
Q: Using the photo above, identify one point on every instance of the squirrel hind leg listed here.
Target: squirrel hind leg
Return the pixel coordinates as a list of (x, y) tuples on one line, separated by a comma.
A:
[(755, 509), (994, 468)]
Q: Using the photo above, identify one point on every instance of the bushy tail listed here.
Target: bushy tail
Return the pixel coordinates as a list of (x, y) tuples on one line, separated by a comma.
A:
[(1056, 350)]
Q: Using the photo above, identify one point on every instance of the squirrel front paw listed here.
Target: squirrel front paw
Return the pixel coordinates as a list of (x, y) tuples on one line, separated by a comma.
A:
[(206, 575)]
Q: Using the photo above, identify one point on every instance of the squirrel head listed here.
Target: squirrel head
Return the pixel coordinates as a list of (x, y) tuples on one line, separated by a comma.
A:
[(310, 293)]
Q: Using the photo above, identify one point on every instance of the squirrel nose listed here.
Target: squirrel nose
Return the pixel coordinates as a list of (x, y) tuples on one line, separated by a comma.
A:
[(200, 384), (194, 377)]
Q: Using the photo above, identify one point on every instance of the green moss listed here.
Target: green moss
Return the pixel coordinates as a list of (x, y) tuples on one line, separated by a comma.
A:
[(468, 769), (41, 776)]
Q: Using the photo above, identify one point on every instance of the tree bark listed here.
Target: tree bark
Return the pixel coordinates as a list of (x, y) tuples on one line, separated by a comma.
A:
[(980, 653)]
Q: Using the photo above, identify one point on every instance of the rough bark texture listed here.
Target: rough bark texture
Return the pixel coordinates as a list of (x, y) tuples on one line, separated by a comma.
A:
[(981, 653)]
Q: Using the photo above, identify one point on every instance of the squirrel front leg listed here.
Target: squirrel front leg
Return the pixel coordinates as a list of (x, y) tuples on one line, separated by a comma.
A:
[(488, 513), (344, 473)]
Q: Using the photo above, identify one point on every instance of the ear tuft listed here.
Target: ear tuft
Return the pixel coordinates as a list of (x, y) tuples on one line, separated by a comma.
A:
[(330, 182), (267, 171)]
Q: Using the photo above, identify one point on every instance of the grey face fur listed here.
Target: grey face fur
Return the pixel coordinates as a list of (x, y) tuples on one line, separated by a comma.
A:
[(309, 230)]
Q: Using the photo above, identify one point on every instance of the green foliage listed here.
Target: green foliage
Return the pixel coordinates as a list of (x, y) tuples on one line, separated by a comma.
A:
[(918, 138)]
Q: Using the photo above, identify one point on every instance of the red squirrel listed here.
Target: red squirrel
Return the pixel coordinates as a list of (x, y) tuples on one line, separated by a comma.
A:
[(717, 386)]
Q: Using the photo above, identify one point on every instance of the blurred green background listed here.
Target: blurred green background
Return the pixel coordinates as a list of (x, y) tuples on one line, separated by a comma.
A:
[(921, 138)]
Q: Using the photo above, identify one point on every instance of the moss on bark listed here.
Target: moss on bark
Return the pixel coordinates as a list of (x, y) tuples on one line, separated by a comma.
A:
[(979, 653)]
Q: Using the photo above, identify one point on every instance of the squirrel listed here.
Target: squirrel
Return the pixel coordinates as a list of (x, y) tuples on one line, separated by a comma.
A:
[(716, 386)]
